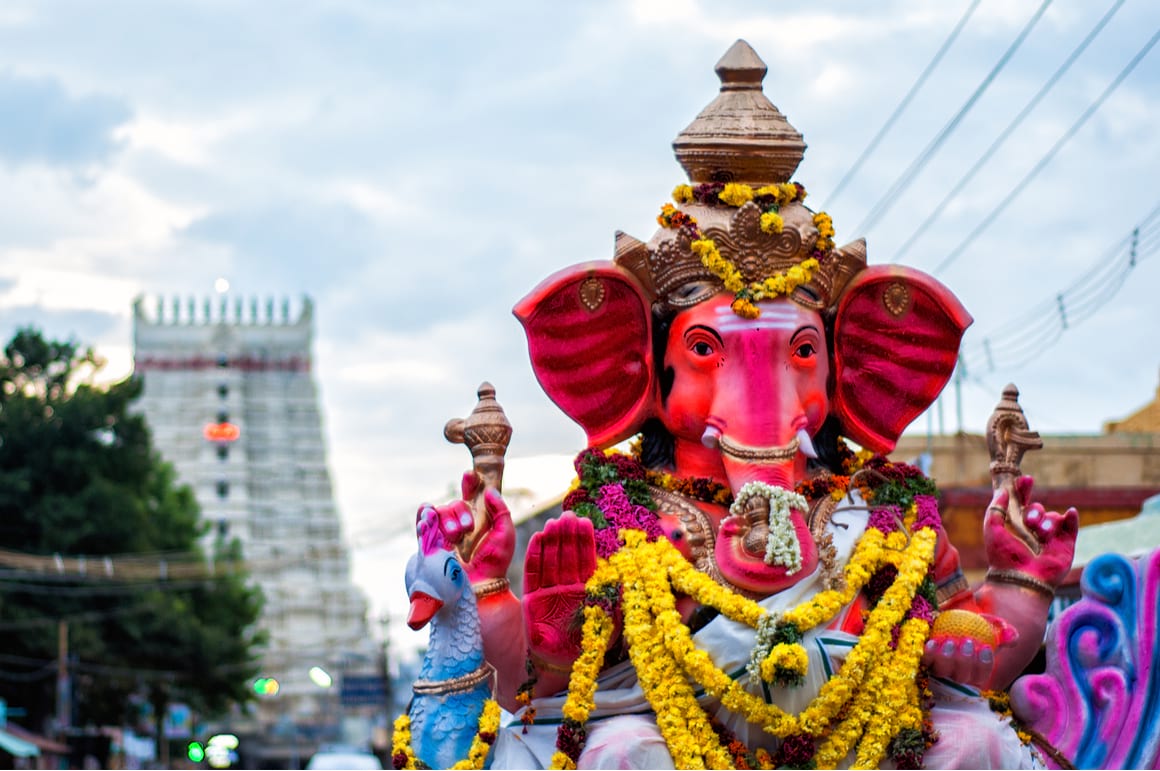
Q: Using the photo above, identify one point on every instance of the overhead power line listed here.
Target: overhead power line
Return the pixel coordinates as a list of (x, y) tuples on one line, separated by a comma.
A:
[(1020, 340), (879, 209), (1003, 135), (990, 218), (930, 67)]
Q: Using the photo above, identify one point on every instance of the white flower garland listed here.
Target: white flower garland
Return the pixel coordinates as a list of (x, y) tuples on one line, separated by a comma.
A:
[(762, 644), (781, 546)]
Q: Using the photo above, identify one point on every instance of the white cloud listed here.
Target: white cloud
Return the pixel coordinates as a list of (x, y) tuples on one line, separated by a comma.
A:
[(184, 141), (64, 290)]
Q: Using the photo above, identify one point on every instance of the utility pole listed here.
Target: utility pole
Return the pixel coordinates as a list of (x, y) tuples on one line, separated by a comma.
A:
[(63, 684)]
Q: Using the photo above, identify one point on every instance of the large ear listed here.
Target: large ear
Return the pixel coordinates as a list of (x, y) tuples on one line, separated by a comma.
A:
[(896, 340), (590, 338)]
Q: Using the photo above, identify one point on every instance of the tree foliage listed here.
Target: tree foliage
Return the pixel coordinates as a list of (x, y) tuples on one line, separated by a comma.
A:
[(79, 476)]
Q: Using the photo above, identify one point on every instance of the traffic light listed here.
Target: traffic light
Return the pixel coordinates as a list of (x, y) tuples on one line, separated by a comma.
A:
[(265, 686), (195, 752)]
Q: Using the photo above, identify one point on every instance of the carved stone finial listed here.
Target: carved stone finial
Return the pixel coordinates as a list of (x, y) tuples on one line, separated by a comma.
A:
[(1008, 438), (740, 136), (487, 433)]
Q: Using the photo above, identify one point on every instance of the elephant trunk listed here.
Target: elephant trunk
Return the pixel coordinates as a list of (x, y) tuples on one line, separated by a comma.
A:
[(743, 547)]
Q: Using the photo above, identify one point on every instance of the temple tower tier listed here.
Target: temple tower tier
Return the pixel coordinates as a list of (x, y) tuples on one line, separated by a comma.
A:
[(232, 402)]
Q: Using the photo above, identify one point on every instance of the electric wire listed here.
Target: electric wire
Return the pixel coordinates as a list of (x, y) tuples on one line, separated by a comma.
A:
[(902, 105), (1022, 339), (888, 199), (1006, 132), (1015, 191)]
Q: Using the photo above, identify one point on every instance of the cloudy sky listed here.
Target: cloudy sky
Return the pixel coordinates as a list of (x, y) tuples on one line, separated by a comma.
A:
[(416, 168)]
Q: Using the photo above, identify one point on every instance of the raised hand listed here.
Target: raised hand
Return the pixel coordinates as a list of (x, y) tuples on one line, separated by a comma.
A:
[(560, 560), (485, 544), (1049, 557)]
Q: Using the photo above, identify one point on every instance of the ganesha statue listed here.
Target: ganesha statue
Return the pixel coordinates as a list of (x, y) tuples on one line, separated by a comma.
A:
[(740, 577)]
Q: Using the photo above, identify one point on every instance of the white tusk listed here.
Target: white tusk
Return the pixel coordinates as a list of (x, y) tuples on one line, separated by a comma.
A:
[(712, 437), (806, 445)]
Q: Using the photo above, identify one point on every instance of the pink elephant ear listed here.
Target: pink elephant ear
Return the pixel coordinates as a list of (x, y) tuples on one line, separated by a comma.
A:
[(896, 340), (590, 339)]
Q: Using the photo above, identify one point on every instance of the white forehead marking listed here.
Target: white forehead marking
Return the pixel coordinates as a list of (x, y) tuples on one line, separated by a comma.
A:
[(776, 317)]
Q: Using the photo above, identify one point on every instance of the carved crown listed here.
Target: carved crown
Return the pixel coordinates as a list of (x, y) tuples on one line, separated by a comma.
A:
[(739, 137)]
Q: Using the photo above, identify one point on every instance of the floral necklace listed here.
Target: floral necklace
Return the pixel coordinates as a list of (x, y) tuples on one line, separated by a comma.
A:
[(403, 756), (873, 705), (769, 199)]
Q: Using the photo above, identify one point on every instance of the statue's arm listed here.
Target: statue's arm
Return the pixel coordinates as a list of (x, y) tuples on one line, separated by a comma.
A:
[(490, 554), (504, 643), (1022, 577), (1014, 599)]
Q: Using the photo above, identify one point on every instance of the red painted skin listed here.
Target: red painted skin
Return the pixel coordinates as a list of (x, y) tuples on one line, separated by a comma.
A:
[(756, 383)]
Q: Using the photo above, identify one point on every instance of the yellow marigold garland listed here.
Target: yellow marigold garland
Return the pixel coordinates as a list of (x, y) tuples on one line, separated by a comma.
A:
[(403, 756), (874, 692), (733, 194)]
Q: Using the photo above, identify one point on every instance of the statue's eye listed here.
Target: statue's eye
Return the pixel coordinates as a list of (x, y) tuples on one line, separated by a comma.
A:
[(703, 342), (805, 351)]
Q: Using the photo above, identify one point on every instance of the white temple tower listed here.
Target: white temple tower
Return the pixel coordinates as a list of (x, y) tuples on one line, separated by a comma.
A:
[(232, 403)]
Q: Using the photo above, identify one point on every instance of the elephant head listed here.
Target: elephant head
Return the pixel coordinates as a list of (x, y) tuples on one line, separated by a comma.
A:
[(857, 351)]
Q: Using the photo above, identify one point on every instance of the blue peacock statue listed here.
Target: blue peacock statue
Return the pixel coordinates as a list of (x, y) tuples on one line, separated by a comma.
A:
[(454, 681)]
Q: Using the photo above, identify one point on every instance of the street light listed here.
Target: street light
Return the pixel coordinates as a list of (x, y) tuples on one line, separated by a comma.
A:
[(321, 677), (266, 686)]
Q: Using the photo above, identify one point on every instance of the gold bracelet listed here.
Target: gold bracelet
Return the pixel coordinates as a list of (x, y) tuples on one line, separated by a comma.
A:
[(488, 588), (1019, 578)]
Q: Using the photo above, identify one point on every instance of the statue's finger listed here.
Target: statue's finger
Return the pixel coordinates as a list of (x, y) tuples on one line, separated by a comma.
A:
[(470, 484), (1070, 525), (1000, 500), (534, 563), (574, 538), (1023, 487), (494, 504)]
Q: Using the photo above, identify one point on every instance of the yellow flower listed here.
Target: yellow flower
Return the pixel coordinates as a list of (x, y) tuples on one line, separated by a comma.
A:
[(874, 691), (745, 309), (735, 194), (785, 656), (825, 228), (562, 761), (771, 222), (683, 194), (401, 743)]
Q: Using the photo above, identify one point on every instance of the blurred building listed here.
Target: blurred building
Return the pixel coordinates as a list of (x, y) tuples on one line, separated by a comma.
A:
[(232, 403)]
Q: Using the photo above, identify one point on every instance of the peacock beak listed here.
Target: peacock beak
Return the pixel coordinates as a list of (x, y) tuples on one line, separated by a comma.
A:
[(423, 607)]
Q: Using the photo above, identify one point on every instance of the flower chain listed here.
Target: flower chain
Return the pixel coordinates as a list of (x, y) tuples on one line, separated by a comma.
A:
[(769, 199), (869, 706), (781, 547), (403, 756)]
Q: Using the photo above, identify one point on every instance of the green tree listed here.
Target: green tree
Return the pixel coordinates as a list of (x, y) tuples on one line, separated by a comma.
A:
[(79, 476)]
